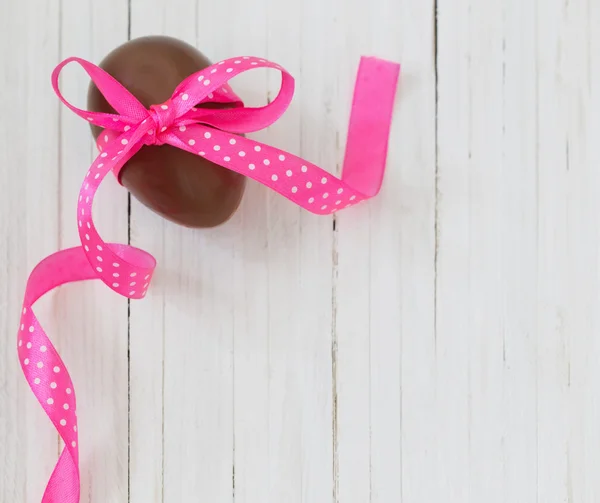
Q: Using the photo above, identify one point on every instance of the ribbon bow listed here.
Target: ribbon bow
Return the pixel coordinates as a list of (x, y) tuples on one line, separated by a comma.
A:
[(209, 133)]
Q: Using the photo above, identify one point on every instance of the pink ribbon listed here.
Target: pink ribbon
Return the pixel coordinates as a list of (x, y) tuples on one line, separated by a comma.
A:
[(209, 133)]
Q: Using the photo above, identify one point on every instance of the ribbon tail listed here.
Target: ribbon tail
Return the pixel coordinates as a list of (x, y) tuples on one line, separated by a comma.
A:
[(370, 123), (63, 486)]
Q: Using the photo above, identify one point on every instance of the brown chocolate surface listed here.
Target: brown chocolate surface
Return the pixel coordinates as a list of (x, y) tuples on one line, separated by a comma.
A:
[(180, 186)]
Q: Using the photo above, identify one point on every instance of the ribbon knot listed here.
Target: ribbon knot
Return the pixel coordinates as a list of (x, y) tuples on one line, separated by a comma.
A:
[(208, 133), (162, 117)]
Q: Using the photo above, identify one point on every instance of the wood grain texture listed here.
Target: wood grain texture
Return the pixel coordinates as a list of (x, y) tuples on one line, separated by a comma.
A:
[(438, 344)]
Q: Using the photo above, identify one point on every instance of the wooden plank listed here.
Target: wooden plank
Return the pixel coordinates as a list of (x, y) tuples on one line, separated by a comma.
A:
[(568, 252), (29, 134), (486, 272), (93, 330), (385, 286), (154, 325), (518, 224)]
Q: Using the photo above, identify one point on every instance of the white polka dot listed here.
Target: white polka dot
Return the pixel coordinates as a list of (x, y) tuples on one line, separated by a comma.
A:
[(227, 158), (211, 96), (184, 97), (132, 292), (127, 128), (133, 274), (53, 385), (37, 380), (89, 226), (251, 167), (225, 90), (124, 141), (75, 428), (63, 422), (214, 70), (43, 349), (99, 269), (207, 135), (147, 276), (115, 264), (200, 78), (202, 153), (80, 224), (311, 200), (191, 142), (266, 162), (97, 176), (22, 327), (56, 370), (352, 198), (68, 390), (229, 70), (254, 63), (182, 128), (31, 329), (257, 148), (26, 361), (74, 444), (151, 132), (163, 129), (103, 154), (324, 207), (308, 185), (164, 107), (323, 180), (232, 142), (274, 178), (288, 172), (115, 274), (66, 406), (90, 119), (326, 195), (40, 365), (115, 119), (106, 138), (338, 203), (237, 62), (86, 248), (294, 190), (29, 345), (304, 169), (99, 258), (206, 82), (282, 157), (241, 153), (217, 147), (20, 342), (132, 283), (50, 401), (99, 247), (87, 237), (339, 191), (116, 285)]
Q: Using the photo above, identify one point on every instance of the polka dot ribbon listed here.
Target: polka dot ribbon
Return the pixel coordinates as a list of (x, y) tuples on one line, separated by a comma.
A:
[(210, 133)]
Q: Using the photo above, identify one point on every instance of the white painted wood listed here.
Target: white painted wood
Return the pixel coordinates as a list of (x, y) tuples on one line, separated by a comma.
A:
[(384, 298), (440, 345), (29, 153), (93, 329)]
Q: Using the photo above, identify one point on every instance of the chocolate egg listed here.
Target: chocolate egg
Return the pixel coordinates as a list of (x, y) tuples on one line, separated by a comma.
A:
[(180, 186)]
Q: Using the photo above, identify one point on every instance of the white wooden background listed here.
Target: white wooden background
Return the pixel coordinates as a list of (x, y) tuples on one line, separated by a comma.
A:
[(438, 345)]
